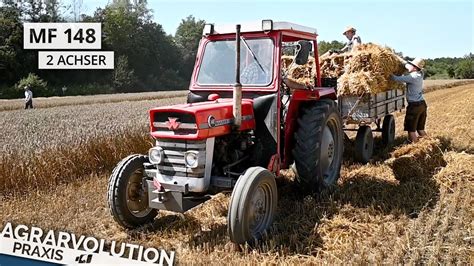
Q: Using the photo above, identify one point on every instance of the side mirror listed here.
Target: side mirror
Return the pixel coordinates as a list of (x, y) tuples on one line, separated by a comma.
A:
[(302, 52)]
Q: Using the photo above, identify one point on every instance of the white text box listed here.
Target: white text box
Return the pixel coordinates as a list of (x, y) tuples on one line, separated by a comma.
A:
[(75, 60), (62, 36)]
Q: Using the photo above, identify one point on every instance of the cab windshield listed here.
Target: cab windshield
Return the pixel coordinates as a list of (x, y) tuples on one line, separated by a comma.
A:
[(256, 62)]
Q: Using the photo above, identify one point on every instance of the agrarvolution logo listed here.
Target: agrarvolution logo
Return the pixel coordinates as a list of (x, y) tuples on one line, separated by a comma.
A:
[(67, 248)]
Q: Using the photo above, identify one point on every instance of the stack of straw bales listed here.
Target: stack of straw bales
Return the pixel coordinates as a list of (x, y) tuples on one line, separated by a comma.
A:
[(333, 66), (367, 69), (303, 74)]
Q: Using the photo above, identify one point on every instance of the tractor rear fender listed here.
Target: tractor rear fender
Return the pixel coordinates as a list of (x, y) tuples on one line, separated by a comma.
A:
[(298, 98)]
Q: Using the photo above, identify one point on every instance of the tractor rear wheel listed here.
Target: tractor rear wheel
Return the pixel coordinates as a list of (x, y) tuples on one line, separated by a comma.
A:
[(252, 205), (388, 130), (319, 146), (364, 144), (127, 197)]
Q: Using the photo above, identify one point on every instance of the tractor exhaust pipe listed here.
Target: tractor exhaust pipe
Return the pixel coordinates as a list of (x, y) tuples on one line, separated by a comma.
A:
[(237, 92)]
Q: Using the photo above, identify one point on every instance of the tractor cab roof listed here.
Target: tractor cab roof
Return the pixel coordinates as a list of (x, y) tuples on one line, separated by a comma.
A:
[(258, 26)]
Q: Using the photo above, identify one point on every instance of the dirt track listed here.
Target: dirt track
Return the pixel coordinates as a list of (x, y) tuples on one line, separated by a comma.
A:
[(371, 217)]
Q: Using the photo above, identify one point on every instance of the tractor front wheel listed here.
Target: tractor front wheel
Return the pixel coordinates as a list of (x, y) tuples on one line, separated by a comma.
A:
[(319, 146), (127, 197), (252, 205)]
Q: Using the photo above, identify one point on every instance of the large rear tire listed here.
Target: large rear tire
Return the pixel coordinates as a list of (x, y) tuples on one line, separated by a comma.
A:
[(252, 205), (364, 144), (319, 146), (127, 199), (388, 130)]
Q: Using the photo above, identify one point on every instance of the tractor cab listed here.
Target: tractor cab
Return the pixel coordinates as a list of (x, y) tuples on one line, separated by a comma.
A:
[(260, 66)]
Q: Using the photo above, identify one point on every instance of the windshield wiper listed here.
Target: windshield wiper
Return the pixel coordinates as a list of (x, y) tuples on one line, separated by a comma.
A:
[(252, 53)]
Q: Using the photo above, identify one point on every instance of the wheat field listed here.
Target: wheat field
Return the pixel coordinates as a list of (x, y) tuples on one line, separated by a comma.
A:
[(370, 217), (47, 102)]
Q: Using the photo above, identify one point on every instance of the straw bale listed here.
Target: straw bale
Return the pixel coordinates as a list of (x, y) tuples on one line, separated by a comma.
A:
[(367, 69), (417, 160), (303, 74)]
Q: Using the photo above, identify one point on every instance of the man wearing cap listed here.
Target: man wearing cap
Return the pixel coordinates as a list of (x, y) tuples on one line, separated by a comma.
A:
[(415, 117), (28, 98), (354, 40)]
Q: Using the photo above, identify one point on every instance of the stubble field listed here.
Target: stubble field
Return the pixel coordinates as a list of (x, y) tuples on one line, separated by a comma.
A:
[(370, 217)]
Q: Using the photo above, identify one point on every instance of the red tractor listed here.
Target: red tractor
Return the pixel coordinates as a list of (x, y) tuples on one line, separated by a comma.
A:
[(241, 125)]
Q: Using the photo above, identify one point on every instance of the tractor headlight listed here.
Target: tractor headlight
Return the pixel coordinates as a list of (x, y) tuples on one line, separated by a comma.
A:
[(191, 159), (156, 155)]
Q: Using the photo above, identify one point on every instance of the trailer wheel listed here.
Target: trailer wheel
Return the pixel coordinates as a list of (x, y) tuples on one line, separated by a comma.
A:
[(364, 144), (319, 146), (388, 130), (252, 205), (126, 196)]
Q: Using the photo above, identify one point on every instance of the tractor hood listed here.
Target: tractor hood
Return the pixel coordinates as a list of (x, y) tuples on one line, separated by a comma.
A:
[(199, 120)]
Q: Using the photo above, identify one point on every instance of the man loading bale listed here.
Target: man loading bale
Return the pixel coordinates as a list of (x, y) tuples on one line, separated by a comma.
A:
[(415, 117)]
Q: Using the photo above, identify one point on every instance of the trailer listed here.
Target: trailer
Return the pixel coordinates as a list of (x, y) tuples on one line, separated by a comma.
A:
[(367, 110)]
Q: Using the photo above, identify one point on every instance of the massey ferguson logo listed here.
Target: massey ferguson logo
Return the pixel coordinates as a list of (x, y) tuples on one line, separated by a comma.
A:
[(173, 123)]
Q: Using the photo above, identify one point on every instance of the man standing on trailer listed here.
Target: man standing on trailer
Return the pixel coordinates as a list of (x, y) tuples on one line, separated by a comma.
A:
[(415, 117), (354, 40)]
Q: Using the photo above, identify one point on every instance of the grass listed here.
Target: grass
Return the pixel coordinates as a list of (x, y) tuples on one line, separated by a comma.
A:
[(371, 217)]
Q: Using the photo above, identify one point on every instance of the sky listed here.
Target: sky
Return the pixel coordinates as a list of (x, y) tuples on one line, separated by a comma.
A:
[(417, 28)]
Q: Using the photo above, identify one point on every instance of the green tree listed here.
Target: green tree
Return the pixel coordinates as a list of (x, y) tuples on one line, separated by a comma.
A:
[(324, 46), (53, 10), (451, 71), (465, 68), (130, 31), (187, 37), (123, 77), (35, 83), (15, 62), (138, 7), (445, 67)]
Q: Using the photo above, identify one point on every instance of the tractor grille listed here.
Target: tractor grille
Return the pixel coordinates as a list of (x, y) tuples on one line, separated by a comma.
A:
[(184, 123), (173, 164)]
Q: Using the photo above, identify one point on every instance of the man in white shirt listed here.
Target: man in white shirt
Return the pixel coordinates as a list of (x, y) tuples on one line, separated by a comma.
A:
[(354, 40), (28, 98)]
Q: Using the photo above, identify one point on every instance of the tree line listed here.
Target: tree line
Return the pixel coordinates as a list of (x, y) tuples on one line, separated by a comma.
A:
[(146, 57)]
